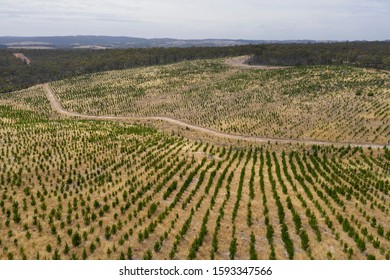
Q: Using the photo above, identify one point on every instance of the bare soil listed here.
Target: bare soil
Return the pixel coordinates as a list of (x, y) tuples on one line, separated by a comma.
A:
[(242, 62), (23, 58)]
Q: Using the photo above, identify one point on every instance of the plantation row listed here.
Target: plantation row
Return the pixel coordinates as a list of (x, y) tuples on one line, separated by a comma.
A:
[(25, 106), (326, 102), (107, 190), (101, 190)]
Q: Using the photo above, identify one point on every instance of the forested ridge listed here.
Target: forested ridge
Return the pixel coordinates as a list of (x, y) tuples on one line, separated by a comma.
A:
[(361, 54), (51, 65)]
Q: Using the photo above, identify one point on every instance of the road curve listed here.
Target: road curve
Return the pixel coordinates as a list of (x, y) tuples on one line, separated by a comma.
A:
[(241, 62), (57, 106)]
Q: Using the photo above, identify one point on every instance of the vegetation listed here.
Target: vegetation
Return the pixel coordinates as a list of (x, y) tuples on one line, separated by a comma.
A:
[(77, 189), (363, 54), (306, 102), (52, 65)]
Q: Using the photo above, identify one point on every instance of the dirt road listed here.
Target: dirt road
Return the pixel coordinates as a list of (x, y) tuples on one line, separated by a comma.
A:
[(23, 58), (57, 106), (241, 62)]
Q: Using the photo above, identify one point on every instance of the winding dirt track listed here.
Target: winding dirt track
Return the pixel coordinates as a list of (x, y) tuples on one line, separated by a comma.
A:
[(57, 106), (241, 62)]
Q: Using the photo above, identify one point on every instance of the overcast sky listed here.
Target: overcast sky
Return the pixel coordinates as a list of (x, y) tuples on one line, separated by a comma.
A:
[(246, 19)]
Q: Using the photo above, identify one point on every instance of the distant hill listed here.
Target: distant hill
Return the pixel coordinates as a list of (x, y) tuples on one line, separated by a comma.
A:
[(113, 42)]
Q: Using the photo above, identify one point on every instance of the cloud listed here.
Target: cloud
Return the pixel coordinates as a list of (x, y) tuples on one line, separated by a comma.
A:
[(255, 19)]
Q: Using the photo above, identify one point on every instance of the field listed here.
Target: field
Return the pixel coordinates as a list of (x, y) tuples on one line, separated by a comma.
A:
[(342, 104), (87, 189)]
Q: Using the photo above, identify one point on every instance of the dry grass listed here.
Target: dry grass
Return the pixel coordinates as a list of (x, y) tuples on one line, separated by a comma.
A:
[(113, 183), (324, 103)]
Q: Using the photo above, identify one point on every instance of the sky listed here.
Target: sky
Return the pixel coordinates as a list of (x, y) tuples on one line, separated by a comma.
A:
[(199, 19)]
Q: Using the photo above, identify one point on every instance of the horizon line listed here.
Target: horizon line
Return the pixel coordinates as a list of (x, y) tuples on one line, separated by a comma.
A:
[(196, 39)]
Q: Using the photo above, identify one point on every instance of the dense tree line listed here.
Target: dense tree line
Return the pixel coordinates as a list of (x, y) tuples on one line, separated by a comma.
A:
[(51, 65), (362, 54)]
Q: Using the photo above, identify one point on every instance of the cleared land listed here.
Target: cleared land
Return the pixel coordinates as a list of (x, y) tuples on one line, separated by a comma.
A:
[(87, 189), (339, 104), (22, 57)]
